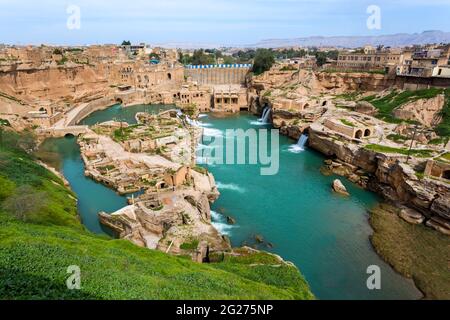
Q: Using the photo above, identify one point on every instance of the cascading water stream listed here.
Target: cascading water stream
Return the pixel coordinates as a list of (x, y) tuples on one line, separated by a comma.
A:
[(301, 144), (265, 116)]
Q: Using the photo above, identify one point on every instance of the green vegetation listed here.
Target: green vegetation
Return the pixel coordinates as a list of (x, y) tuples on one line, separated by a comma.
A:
[(438, 141), (244, 56), (190, 109), (443, 129), (200, 57), (126, 43), (264, 59), (35, 252), (37, 195), (445, 157), (154, 56), (267, 93), (397, 137), (415, 251), (124, 133), (266, 267), (200, 170), (347, 123), (387, 104), (57, 51), (348, 96), (420, 175), (190, 245), (62, 61), (386, 149), (34, 260), (289, 68)]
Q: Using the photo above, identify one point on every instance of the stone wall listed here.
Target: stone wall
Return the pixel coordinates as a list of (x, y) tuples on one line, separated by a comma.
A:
[(217, 75)]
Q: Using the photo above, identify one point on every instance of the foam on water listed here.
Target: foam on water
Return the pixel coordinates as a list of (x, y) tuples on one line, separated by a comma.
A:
[(230, 186), (211, 132), (258, 123), (295, 148), (219, 222)]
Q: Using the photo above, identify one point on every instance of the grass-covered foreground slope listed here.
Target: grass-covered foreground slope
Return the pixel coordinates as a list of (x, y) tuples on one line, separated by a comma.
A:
[(415, 251), (38, 243)]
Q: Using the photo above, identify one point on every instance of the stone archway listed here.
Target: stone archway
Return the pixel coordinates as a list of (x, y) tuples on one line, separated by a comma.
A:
[(367, 133), (358, 134)]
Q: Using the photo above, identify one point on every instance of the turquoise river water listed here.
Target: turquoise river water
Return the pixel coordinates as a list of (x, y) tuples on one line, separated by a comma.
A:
[(325, 235)]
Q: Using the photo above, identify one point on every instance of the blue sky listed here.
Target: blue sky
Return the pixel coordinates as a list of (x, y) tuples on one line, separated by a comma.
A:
[(224, 22)]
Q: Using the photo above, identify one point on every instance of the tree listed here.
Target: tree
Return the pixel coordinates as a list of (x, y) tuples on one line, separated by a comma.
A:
[(25, 202), (321, 58), (264, 60), (126, 43), (154, 56), (57, 51), (228, 60), (201, 58)]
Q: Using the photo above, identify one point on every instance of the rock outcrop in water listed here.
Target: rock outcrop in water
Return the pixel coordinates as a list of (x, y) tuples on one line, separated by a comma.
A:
[(339, 187)]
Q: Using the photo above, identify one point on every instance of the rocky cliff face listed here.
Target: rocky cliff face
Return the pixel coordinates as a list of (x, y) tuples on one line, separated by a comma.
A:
[(313, 82), (343, 82), (426, 111), (52, 83)]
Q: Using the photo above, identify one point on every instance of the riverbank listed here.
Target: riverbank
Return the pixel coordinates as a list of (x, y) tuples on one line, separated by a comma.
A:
[(417, 252)]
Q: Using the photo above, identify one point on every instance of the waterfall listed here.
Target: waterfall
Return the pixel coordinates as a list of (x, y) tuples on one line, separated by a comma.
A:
[(301, 144), (302, 141), (265, 115)]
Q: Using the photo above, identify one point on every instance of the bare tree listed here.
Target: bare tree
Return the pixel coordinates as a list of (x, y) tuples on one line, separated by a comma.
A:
[(25, 202)]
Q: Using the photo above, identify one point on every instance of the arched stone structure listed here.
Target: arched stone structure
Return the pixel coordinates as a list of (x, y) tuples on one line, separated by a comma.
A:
[(446, 174), (358, 134)]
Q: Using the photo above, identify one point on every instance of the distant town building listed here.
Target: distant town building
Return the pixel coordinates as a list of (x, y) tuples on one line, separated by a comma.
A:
[(370, 58), (425, 62)]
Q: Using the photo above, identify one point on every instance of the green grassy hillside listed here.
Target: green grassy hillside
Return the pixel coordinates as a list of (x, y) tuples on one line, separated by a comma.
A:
[(40, 237)]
